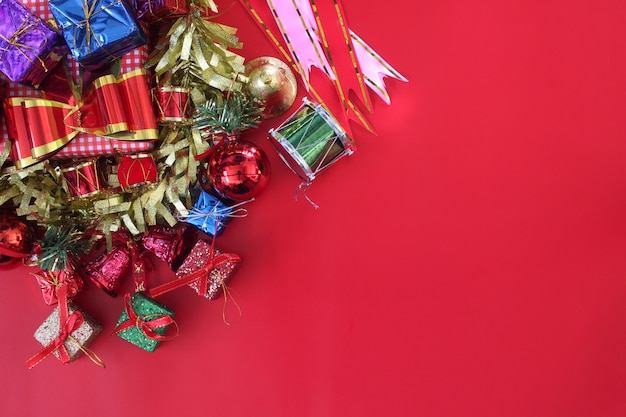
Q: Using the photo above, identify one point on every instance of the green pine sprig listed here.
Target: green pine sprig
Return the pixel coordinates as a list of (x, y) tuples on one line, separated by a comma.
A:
[(235, 113), (60, 244)]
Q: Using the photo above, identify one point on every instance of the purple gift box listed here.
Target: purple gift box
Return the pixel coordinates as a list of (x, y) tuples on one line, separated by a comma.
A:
[(29, 48)]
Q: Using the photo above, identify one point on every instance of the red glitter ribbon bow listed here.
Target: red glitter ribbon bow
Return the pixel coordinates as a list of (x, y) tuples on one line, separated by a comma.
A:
[(120, 108), (67, 325), (145, 326)]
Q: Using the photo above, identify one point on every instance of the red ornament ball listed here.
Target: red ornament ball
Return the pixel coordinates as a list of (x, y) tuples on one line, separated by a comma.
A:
[(237, 170), (15, 236)]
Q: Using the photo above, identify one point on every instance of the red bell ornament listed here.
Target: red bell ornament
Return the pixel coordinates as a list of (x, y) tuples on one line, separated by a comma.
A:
[(238, 170), (170, 244), (109, 269)]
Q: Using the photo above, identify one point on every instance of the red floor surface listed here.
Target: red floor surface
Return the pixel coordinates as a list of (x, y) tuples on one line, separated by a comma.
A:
[(468, 260)]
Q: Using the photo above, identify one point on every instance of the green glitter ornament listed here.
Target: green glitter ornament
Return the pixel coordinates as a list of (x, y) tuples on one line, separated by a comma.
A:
[(148, 328)]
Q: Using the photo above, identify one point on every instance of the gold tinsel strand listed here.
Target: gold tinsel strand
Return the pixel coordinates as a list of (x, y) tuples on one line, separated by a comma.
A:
[(195, 55)]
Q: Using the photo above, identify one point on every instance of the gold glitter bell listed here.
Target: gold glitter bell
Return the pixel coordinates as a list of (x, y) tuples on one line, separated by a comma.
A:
[(272, 82)]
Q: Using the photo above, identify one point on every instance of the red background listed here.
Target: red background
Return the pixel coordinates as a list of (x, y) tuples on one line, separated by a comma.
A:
[(469, 260)]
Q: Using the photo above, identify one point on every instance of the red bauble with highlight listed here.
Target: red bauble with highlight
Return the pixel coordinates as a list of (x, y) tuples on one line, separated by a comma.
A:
[(16, 237), (237, 170)]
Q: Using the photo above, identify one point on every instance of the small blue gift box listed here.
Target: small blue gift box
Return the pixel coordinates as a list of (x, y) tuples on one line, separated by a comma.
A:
[(97, 31), (211, 215)]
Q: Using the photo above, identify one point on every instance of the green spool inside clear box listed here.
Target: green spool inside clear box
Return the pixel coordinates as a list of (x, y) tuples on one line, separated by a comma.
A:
[(310, 140)]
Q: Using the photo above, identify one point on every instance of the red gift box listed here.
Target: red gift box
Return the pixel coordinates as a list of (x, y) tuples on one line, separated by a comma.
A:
[(210, 268), (84, 144), (51, 281), (206, 269)]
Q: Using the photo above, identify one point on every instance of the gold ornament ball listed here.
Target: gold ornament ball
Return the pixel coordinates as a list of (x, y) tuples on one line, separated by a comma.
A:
[(272, 82)]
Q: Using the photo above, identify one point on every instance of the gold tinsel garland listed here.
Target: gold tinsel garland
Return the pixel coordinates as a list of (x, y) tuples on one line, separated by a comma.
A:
[(38, 192), (192, 55)]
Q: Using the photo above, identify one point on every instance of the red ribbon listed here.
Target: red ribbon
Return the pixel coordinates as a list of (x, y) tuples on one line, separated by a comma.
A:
[(145, 326), (338, 102), (140, 264), (120, 108), (334, 33), (67, 325), (216, 139), (200, 275)]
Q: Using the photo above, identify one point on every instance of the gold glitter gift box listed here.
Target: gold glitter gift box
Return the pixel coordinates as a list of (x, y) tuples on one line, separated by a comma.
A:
[(77, 341)]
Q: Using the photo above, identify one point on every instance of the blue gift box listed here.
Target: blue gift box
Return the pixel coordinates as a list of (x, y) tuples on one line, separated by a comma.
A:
[(97, 31), (211, 215)]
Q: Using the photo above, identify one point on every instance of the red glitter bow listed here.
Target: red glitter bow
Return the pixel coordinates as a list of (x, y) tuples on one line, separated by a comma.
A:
[(145, 326)]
